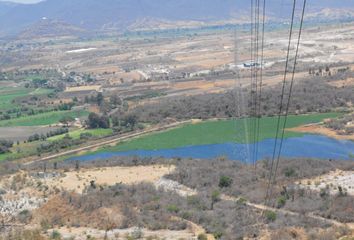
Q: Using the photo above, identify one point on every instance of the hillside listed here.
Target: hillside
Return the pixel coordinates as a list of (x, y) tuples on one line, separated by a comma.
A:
[(50, 28), (121, 14)]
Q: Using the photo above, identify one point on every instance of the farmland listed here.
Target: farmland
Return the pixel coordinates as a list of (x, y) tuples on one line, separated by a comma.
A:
[(9, 94), (77, 133), (42, 119), (212, 132)]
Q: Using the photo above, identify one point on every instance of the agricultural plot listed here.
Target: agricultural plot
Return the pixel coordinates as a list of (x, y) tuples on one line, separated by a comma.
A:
[(77, 133), (9, 94), (42, 119), (213, 132)]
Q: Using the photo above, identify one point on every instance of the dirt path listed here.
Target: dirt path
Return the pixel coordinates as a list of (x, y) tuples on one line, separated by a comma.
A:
[(110, 141)]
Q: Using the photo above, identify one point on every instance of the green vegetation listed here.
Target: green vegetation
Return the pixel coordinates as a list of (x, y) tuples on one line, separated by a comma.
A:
[(214, 132), (100, 132), (9, 94), (281, 201), (42, 119), (215, 197), (19, 151), (172, 208), (225, 182), (270, 215), (290, 172), (202, 237)]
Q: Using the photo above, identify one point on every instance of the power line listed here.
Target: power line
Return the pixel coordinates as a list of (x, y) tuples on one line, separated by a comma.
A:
[(240, 98), (261, 81), (252, 73), (290, 90), (254, 82), (281, 102)]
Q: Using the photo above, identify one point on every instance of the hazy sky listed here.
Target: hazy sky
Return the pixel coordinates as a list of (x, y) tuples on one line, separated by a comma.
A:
[(22, 1)]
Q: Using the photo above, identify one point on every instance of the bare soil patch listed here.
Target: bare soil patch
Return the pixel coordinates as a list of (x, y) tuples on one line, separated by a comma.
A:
[(320, 129), (342, 83), (332, 182), (96, 88), (21, 133), (77, 181)]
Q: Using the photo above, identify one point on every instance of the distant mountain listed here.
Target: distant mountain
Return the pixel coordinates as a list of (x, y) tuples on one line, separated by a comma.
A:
[(50, 28), (330, 13), (97, 15)]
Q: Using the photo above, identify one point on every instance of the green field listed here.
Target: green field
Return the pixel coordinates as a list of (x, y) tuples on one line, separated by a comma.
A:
[(8, 94), (76, 134), (42, 119), (213, 132)]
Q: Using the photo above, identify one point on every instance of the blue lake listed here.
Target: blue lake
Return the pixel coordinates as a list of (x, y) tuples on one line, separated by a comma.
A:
[(309, 146)]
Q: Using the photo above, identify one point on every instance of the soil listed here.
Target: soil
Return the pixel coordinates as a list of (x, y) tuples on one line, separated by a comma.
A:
[(322, 130), (77, 181)]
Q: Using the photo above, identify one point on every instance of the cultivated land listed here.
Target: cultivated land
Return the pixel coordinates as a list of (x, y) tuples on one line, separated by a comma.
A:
[(9, 94), (43, 119), (75, 134), (213, 132)]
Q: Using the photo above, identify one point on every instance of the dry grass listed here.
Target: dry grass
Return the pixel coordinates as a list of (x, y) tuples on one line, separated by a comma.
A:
[(96, 88)]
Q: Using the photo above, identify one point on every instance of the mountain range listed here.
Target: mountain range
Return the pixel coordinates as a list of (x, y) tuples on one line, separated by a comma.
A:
[(120, 15)]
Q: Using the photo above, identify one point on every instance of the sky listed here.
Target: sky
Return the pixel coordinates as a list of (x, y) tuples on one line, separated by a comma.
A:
[(22, 1)]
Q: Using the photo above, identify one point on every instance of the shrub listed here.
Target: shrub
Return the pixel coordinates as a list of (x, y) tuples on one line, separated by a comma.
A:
[(225, 182), (45, 225), (202, 237), (24, 216), (55, 235), (290, 172), (281, 201), (217, 235), (172, 208), (270, 215), (241, 201), (215, 197), (137, 233)]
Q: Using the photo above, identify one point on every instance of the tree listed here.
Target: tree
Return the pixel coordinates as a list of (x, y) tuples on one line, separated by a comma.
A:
[(104, 122), (5, 146), (66, 120), (99, 99), (96, 121), (115, 100), (93, 120), (130, 121)]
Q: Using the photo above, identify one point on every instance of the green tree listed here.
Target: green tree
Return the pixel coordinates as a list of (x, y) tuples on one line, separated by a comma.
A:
[(99, 99), (93, 120), (66, 120)]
